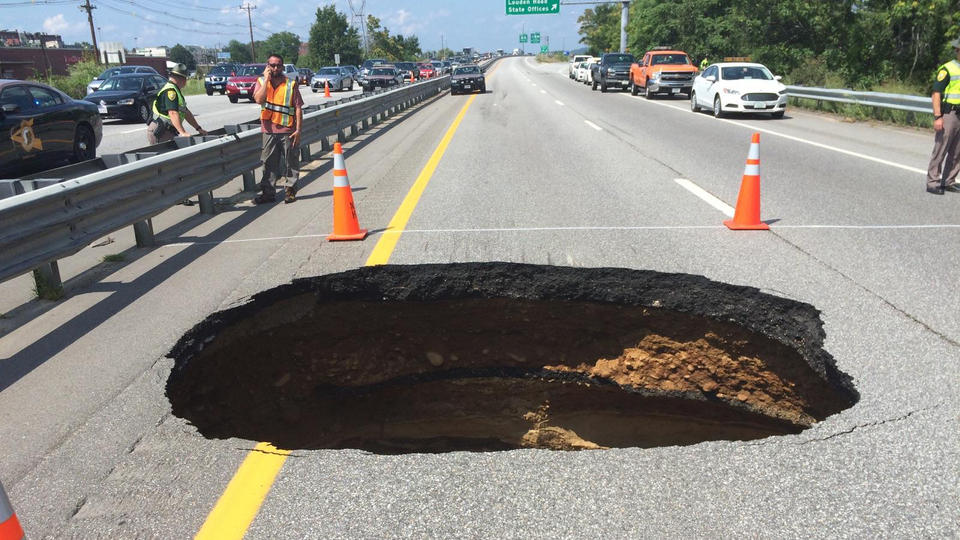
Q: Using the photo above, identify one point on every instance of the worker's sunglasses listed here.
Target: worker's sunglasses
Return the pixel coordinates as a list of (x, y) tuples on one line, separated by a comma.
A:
[(274, 65)]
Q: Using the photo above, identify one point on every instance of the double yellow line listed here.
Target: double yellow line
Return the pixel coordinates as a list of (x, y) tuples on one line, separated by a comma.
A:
[(241, 501)]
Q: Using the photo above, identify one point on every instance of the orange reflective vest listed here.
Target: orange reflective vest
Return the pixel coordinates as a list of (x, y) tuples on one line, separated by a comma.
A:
[(278, 107)]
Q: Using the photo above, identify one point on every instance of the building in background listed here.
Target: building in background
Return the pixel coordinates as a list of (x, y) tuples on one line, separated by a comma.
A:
[(16, 38)]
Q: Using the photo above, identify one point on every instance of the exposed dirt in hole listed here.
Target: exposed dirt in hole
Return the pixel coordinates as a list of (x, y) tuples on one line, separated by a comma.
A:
[(436, 363)]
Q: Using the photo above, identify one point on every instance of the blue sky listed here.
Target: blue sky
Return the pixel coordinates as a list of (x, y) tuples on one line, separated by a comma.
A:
[(481, 24)]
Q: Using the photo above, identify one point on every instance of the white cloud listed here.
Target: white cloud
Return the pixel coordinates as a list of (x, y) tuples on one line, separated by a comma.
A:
[(290, 24), (400, 17), (55, 24)]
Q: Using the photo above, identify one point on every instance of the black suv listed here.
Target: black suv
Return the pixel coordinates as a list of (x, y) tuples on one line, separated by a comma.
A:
[(612, 70), (216, 80)]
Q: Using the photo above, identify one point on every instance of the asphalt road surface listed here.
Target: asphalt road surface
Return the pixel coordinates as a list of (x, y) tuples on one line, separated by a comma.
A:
[(540, 170)]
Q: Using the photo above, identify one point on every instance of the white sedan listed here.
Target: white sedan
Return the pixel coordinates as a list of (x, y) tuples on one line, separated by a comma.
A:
[(739, 87)]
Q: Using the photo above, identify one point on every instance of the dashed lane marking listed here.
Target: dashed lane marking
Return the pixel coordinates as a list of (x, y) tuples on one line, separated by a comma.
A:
[(706, 196), (594, 126)]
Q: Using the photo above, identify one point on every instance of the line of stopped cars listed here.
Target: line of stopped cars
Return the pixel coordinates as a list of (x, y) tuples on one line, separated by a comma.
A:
[(721, 88)]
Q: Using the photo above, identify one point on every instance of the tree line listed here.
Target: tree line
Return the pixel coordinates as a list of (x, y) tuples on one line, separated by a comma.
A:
[(861, 44)]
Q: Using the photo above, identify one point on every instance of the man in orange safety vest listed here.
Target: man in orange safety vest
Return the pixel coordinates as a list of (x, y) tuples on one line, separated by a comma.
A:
[(281, 116)]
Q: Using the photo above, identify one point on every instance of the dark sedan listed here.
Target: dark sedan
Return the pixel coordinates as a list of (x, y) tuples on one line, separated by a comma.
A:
[(381, 77), (127, 96), (409, 70), (467, 78), (41, 127)]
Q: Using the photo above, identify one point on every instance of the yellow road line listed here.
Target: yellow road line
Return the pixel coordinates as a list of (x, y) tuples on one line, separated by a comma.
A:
[(388, 241), (241, 501)]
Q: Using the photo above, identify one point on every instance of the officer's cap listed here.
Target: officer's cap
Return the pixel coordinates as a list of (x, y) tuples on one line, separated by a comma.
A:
[(180, 70)]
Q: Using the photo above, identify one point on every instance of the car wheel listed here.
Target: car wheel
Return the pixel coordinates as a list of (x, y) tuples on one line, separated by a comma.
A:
[(84, 145), (222, 92), (717, 107), (593, 85), (647, 93), (483, 89), (603, 87), (209, 92), (233, 99), (633, 88), (778, 114), (314, 90), (144, 113), (693, 102)]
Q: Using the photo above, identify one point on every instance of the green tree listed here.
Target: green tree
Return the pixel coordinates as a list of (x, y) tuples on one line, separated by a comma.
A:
[(397, 47), (286, 44), (330, 35), (600, 28), (239, 52), (179, 54)]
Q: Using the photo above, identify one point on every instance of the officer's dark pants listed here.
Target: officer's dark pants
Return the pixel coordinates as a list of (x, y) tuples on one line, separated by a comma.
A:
[(281, 161), (945, 162)]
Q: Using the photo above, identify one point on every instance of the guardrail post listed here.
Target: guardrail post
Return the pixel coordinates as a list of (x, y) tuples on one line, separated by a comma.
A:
[(325, 144), (143, 232), (48, 283), (354, 131), (365, 124), (305, 153), (206, 203), (341, 136), (249, 181)]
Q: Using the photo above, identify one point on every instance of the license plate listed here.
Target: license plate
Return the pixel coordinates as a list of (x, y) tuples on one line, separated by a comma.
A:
[(102, 109), (243, 92), (467, 87), (674, 90), (219, 85), (759, 105)]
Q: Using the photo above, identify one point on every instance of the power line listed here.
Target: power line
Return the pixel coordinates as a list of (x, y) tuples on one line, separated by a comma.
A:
[(161, 23), (179, 17), (36, 3)]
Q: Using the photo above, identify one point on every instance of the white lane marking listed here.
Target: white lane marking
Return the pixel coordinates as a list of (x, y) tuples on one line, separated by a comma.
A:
[(558, 102), (133, 130), (594, 126), (543, 91), (706, 196), (583, 229), (790, 137)]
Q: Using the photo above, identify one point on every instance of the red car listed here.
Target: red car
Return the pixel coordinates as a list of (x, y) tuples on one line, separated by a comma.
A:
[(241, 84), (426, 70)]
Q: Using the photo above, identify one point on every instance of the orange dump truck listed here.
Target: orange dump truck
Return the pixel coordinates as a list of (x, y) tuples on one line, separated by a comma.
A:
[(662, 71)]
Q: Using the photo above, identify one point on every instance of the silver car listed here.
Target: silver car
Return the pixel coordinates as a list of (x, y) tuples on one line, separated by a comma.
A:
[(338, 78)]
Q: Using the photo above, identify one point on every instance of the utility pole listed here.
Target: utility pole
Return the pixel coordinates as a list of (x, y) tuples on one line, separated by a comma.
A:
[(624, 18), (93, 35), (441, 46), (253, 52)]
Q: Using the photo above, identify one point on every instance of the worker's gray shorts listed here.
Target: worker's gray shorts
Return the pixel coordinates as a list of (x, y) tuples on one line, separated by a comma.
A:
[(281, 161)]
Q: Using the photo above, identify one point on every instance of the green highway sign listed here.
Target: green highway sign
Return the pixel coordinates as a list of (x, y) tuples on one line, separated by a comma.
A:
[(535, 37), (544, 48), (523, 38), (532, 7)]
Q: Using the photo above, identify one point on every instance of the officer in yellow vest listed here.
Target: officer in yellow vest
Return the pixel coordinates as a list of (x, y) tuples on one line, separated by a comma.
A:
[(170, 110), (945, 162), (704, 63), (281, 115)]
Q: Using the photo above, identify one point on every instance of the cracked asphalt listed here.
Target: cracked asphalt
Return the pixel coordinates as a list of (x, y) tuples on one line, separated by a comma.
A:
[(91, 449)]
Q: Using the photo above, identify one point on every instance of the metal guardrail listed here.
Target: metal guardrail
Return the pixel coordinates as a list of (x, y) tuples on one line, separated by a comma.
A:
[(107, 194), (903, 102)]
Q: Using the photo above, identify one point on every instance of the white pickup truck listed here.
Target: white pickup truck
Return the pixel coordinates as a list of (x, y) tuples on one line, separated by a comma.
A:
[(577, 58)]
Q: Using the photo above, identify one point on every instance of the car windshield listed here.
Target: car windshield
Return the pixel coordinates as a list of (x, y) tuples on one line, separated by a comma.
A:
[(619, 59), (122, 83), (659, 59), (247, 71), (329, 71), (736, 73), (404, 65), (371, 63), (109, 73), (221, 70), (467, 70), (382, 71)]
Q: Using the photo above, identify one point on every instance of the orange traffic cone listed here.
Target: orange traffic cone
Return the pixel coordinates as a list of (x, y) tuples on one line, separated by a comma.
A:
[(345, 223), (747, 215), (10, 528), (326, 89), (411, 77)]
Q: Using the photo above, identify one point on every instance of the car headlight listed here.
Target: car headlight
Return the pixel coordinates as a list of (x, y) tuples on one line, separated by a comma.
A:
[(207, 79), (731, 91), (125, 101), (783, 92), (655, 77)]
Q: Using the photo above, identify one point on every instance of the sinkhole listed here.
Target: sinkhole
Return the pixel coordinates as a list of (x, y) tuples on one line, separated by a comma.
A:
[(498, 356)]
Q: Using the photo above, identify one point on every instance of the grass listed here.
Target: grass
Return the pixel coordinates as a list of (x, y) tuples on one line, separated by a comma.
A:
[(116, 257), (553, 58), (194, 87)]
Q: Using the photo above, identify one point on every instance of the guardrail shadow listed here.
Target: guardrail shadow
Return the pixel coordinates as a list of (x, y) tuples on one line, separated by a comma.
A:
[(124, 294)]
